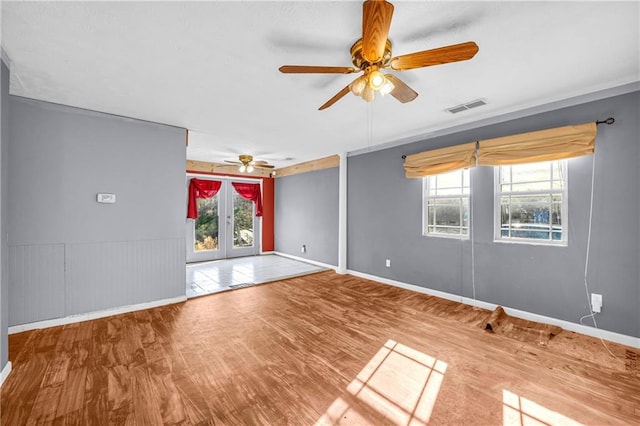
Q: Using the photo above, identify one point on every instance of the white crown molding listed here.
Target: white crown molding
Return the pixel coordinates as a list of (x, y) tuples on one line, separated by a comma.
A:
[(566, 325)]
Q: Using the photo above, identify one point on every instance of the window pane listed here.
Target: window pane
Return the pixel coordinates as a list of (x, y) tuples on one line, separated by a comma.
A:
[(505, 174), (447, 215), (533, 210), (446, 202), (450, 180), (206, 225), (530, 209), (242, 222), (449, 191), (531, 172), (556, 210), (530, 186)]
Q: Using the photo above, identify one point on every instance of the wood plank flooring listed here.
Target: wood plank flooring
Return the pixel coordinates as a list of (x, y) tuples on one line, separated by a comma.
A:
[(318, 349)]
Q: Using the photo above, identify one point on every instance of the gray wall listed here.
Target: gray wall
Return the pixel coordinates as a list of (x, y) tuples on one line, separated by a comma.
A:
[(306, 213), (384, 222), (69, 254), (4, 170)]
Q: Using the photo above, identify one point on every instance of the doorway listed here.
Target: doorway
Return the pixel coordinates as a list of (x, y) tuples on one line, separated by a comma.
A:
[(226, 226)]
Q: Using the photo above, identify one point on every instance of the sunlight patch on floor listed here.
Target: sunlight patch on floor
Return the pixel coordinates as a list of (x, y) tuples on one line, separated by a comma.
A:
[(399, 382), (519, 411)]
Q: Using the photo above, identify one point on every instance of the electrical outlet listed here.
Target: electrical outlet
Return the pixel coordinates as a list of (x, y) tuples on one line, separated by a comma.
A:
[(388, 263), (596, 302)]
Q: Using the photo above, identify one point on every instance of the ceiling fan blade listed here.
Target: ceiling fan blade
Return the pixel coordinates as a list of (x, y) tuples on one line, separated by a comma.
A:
[(232, 162), (401, 91), (441, 55), (264, 166), (335, 99), (376, 20), (311, 69)]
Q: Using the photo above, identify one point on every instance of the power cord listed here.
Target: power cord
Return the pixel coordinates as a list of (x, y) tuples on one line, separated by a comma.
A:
[(586, 262)]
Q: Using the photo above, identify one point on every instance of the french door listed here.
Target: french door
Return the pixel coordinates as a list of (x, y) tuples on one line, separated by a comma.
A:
[(226, 226)]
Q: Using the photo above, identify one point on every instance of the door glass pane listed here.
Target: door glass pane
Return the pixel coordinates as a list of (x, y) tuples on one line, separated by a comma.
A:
[(242, 222), (206, 225)]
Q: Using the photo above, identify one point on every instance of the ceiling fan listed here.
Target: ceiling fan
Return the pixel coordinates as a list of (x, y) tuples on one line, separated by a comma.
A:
[(372, 53), (247, 163)]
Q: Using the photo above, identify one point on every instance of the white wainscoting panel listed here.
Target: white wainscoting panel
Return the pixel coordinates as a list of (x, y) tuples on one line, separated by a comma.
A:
[(36, 282), (110, 274)]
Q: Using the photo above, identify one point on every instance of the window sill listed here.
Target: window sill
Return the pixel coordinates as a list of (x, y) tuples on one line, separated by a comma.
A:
[(533, 243), (447, 236)]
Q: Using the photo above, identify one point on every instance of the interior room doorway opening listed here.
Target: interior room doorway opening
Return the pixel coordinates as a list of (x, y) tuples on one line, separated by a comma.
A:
[(226, 225)]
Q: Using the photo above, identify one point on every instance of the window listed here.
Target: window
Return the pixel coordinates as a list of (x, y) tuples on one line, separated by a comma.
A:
[(446, 204), (531, 202)]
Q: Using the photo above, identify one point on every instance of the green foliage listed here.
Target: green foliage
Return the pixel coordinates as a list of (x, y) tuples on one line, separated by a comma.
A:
[(243, 221), (207, 223)]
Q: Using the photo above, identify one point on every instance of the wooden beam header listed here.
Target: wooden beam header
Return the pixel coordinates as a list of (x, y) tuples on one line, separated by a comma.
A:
[(309, 166)]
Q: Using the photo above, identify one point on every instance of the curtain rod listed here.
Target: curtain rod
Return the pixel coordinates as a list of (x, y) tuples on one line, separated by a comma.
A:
[(608, 121)]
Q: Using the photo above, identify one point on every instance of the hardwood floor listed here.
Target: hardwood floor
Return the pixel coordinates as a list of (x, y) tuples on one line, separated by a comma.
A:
[(318, 349)]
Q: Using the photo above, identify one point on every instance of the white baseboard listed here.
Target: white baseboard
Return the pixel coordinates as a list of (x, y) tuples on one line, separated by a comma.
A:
[(566, 325), (5, 372), (302, 259), (94, 315)]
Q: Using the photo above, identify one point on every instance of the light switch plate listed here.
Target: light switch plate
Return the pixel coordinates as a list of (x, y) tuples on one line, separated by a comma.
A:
[(106, 198)]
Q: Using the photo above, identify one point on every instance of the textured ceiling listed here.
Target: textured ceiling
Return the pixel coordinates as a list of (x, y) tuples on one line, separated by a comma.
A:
[(212, 67)]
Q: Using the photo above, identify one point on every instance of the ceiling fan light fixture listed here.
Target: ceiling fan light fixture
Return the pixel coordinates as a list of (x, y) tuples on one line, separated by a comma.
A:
[(387, 87), (242, 168), (249, 168), (376, 80), (368, 94), (358, 85)]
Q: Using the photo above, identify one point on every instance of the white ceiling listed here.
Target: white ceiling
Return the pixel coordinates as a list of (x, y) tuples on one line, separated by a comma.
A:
[(212, 67)]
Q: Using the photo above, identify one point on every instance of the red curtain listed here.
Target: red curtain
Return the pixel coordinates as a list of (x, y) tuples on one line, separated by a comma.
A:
[(250, 191), (199, 188)]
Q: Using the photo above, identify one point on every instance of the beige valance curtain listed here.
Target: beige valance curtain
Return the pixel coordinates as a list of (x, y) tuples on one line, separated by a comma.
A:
[(441, 160), (544, 145)]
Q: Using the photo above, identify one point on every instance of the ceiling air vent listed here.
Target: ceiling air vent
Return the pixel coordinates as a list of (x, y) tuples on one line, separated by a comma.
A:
[(468, 105)]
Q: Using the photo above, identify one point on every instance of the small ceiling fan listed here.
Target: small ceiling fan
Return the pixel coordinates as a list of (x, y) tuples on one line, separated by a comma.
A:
[(247, 163), (372, 53)]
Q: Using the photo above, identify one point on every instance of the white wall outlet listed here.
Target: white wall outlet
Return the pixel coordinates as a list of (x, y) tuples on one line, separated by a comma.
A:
[(303, 249), (596, 302), (106, 198), (388, 263)]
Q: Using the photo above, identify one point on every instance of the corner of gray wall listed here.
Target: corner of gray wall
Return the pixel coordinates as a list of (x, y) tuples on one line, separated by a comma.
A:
[(4, 272)]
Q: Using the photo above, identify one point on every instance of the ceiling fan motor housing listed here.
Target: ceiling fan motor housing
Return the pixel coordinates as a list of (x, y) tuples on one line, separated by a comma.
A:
[(245, 159), (361, 62)]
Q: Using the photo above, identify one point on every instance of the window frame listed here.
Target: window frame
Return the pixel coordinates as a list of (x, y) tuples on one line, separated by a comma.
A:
[(425, 209), (497, 208)]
